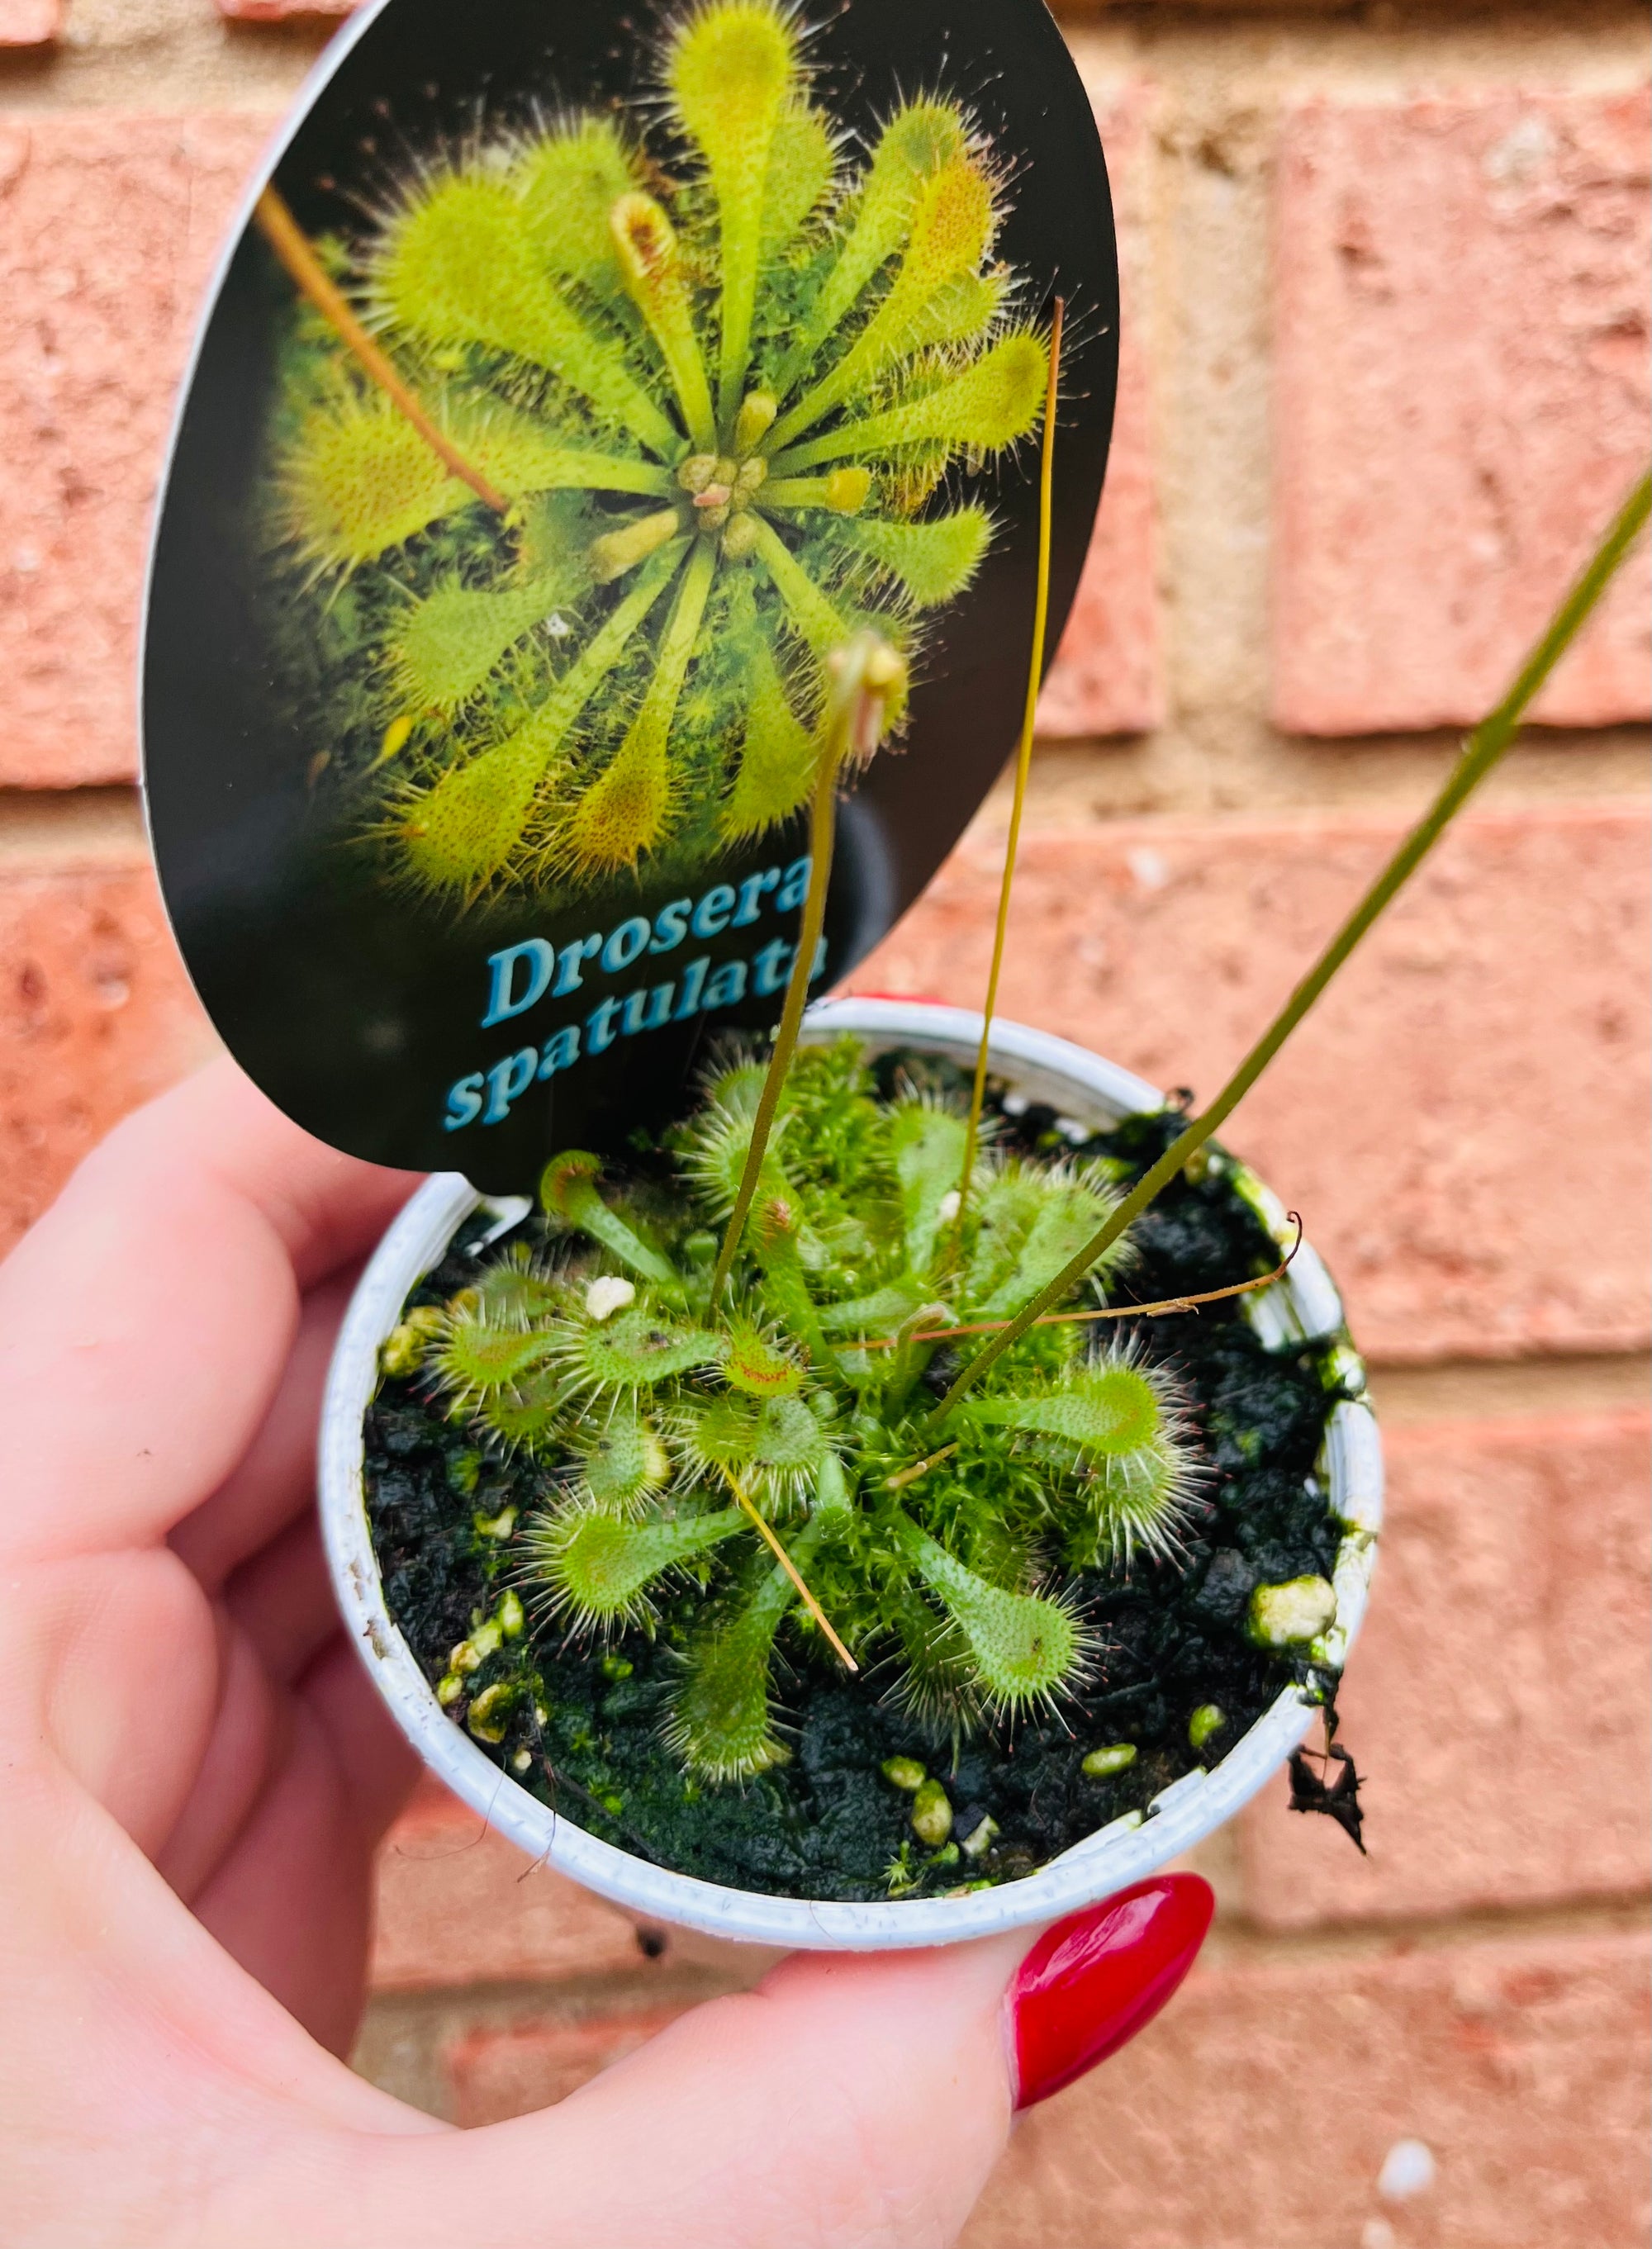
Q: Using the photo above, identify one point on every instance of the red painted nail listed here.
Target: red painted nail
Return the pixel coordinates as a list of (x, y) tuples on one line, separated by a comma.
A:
[(1091, 1982)]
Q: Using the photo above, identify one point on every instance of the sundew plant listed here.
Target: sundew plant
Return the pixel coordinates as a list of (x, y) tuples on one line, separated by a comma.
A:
[(618, 429), (768, 1419), (769, 1452)]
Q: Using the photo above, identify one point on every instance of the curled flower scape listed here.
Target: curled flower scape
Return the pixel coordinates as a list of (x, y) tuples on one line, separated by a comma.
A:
[(662, 1429), (726, 374)]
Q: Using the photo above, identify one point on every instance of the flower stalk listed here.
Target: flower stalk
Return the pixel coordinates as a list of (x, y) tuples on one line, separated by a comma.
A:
[(1023, 766), (865, 676), (1482, 752), (285, 236)]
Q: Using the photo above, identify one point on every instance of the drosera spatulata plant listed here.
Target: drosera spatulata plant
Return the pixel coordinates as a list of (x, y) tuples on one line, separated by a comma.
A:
[(608, 434), (658, 1427)]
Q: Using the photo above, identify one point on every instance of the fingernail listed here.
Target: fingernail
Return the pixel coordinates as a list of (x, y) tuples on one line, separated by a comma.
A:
[(1091, 1982)]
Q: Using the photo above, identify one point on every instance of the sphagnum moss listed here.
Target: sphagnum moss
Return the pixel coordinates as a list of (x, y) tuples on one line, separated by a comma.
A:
[(663, 1431), (719, 374)]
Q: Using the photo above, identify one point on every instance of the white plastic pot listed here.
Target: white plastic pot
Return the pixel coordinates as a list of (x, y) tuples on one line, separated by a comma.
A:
[(1304, 1305)]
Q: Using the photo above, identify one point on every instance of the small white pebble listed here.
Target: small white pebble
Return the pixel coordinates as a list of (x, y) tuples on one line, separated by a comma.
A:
[(609, 1295), (949, 1206), (980, 1837), (1015, 1104), (1377, 2234), (1407, 2169)]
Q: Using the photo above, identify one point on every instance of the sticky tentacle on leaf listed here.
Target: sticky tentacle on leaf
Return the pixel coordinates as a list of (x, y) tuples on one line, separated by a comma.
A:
[(460, 832), (917, 140), (986, 407), (459, 266), (950, 227), (625, 811), (732, 73), (597, 1568)]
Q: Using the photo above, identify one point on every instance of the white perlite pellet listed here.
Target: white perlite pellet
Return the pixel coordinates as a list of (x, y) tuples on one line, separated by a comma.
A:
[(1408, 2169)]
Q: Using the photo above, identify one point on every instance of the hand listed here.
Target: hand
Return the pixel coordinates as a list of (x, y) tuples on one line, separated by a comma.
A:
[(195, 1769)]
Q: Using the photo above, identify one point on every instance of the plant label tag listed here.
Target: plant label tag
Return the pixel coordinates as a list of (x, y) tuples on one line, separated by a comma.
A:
[(578, 380)]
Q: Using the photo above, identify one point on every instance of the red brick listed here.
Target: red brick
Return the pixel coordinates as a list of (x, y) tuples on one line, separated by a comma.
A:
[(1256, 2111), (1461, 403), (457, 1904), (1108, 675), (109, 224), (495, 2073), (96, 1014), (29, 23), (1497, 1700), (1462, 1121)]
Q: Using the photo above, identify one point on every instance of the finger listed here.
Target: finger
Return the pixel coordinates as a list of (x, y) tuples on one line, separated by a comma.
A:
[(148, 1317), (850, 2103), (251, 1742), (282, 1600), (325, 1207), (379, 1765), (245, 1743), (274, 1482), (292, 1901), (847, 2103)]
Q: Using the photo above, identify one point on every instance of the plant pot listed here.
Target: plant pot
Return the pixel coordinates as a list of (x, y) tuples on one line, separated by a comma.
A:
[(1304, 1307)]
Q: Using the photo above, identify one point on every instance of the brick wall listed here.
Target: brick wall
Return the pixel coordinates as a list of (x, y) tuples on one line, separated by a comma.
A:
[(1385, 368)]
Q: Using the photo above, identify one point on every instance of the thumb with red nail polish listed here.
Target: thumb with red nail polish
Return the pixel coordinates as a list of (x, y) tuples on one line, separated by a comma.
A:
[(1092, 1981)]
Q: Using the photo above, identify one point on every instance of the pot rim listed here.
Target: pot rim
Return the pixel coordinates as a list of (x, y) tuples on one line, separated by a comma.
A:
[(1304, 1306)]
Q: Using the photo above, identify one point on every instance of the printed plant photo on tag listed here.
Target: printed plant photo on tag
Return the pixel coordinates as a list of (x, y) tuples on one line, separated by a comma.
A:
[(580, 381)]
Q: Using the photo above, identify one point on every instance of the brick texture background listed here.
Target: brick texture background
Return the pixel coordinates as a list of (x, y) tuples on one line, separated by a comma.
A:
[(109, 224), (95, 1011), (1462, 383), (1108, 675), (1384, 369)]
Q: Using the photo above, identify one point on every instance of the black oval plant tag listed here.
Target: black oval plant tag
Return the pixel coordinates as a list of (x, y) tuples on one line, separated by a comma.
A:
[(580, 380)]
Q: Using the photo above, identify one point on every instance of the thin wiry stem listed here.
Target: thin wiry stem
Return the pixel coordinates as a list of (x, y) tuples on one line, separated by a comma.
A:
[(1024, 766), (864, 674), (791, 1570), (1156, 1311), (287, 238), (1482, 750), (902, 1477)]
